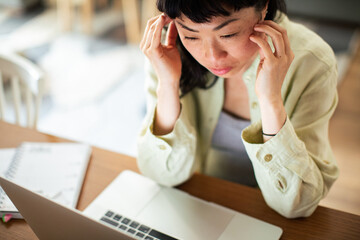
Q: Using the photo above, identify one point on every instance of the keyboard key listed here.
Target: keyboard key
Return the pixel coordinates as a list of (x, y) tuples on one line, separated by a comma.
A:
[(134, 224), (109, 213), (109, 221), (160, 235), (139, 234), (125, 221), (144, 229), (123, 227)]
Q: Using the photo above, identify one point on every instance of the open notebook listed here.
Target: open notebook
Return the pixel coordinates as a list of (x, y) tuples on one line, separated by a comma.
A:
[(55, 170)]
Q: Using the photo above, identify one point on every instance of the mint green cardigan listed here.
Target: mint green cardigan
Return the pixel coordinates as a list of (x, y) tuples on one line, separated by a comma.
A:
[(296, 168)]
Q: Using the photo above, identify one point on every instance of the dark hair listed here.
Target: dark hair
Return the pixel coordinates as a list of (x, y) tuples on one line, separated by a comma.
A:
[(201, 11)]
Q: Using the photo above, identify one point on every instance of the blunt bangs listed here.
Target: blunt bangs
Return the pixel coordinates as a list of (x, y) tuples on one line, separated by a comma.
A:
[(201, 11)]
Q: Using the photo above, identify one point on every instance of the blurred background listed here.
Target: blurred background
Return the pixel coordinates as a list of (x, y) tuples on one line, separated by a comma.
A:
[(94, 74)]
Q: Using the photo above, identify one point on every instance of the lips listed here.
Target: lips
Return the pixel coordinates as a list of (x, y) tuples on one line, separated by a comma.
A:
[(220, 71)]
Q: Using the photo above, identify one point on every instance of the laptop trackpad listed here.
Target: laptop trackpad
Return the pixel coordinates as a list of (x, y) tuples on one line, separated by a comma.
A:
[(185, 217), (250, 228)]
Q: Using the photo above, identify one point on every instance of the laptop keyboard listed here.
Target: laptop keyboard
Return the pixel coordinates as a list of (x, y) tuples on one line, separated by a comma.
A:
[(133, 228)]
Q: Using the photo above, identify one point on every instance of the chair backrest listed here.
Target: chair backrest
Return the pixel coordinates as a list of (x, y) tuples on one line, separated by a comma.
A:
[(27, 85)]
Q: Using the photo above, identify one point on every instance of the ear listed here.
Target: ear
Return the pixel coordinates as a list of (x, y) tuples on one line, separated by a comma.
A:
[(264, 11)]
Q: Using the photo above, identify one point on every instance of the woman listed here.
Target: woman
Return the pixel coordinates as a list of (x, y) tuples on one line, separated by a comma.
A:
[(240, 92)]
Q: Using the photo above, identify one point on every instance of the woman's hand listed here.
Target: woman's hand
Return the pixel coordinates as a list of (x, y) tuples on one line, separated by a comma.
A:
[(271, 73), (273, 65), (165, 58), (166, 61)]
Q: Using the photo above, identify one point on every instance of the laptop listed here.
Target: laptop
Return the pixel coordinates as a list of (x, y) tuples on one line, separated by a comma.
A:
[(136, 207)]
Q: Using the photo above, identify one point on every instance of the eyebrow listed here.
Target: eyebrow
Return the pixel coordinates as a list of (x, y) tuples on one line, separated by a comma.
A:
[(187, 28), (225, 23), (214, 29)]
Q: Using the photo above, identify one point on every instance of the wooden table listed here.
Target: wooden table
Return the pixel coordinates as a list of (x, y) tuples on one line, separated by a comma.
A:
[(104, 166)]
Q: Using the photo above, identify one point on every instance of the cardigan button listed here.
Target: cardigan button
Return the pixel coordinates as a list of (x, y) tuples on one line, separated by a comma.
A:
[(162, 147), (268, 157), (254, 105)]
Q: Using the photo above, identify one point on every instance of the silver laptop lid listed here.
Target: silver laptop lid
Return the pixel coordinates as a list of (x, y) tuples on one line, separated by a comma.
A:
[(50, 220)]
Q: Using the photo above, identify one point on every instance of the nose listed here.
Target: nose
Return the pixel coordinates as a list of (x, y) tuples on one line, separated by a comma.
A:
[(213, 51)]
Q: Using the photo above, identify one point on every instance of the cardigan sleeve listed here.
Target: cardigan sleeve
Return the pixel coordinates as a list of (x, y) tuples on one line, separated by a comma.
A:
[(296, 168), (168, 159)]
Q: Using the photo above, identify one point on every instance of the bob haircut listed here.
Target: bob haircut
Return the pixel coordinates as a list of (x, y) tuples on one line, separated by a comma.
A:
[(201, 11)]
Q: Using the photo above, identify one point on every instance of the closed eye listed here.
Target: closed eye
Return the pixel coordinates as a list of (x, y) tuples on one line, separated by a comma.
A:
[(191, 38), (229, 35)]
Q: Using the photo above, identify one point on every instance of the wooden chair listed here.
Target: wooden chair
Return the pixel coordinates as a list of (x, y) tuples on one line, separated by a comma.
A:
[(27, 84), (135, 19)]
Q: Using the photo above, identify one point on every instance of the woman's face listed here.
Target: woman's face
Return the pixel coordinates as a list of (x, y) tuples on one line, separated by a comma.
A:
[(221, 45)]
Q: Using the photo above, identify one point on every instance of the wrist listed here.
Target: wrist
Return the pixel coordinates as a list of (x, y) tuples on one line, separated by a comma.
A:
[(167, 88), (270, 101), (272, 109), (273, 116), (167, 112)]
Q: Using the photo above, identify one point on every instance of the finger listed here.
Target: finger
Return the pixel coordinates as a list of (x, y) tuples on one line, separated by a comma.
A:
[(283, 32), (147, 29), (150, 34), (157, 33), (171, 34), (276, 36), (265, 49), (148, 24), (156, 36)]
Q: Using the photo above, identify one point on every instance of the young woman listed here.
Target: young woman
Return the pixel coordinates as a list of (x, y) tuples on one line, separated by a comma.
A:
[(238, 91)]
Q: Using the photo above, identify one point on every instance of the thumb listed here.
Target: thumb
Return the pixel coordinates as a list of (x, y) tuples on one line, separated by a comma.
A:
[(171, 34)]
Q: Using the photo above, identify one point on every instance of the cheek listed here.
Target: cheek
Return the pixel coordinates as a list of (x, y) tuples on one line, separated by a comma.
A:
[(247, 46), (251, 46), (195, 51), (244, 49)]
